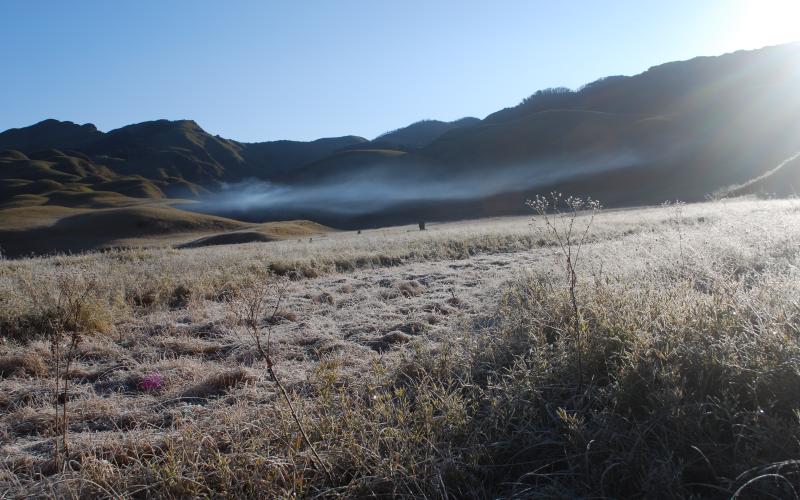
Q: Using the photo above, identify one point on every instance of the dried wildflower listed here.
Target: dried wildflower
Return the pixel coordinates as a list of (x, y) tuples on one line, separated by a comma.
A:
[(151, 382)]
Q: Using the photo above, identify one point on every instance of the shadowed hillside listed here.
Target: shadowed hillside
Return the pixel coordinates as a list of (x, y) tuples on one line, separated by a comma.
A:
[(51, 229), (116, 189), (269, 159), (717, 119), (419, 134), (170, 152), (54, 201), (679, 130), (49, 134)]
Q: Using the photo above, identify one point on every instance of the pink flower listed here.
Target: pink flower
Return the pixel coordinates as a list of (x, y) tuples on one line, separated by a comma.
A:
[(152, 382)]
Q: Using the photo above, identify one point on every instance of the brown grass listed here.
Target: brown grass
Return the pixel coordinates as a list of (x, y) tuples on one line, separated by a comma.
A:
[(689, 361), (282, 315), (28, 364), (219, 383), (410, 289), (108, 220)]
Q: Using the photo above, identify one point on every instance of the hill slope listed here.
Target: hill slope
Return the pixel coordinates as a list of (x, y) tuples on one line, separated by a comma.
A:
[(720, 119), (54, 229), (170, 151), (49, 134), (419, 134), (678, 130)]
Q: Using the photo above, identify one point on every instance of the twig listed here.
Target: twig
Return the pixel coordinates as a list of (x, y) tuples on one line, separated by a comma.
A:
[(253, 312)]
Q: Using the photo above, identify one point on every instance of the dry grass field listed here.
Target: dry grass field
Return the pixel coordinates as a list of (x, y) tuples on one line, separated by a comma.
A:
[(449, 363), (44, 230)]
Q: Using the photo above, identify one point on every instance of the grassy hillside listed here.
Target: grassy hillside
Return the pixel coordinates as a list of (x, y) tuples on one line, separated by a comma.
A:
[(53, 201), (419, 134), (54, 174), (260, 233), (681, 130), (49, 134), (47, 229), (168, 152), (50, 229), (721, 120), (273, 159), (346, 164), (553, 135), (162, 148)]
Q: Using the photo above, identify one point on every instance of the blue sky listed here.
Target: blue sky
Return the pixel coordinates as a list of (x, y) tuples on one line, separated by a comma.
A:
[(265, 70)]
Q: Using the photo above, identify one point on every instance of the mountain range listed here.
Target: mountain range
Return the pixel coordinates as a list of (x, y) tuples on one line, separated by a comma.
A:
[(680, 130)]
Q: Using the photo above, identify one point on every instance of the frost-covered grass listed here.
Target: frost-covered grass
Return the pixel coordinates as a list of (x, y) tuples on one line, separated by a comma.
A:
[(438, 363)]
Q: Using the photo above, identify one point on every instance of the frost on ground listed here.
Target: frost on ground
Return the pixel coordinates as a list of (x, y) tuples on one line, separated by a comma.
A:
[(394, 344)]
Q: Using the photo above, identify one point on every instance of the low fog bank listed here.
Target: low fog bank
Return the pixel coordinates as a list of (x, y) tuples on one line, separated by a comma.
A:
[(380, 195)]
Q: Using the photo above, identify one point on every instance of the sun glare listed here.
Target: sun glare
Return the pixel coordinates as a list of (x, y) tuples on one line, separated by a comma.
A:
[(768, 22)]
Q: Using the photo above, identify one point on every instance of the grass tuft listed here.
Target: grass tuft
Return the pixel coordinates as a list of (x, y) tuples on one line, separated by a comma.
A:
[(27, 364)]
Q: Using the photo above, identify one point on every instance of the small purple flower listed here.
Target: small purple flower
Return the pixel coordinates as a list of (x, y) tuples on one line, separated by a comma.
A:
[(152, 382)]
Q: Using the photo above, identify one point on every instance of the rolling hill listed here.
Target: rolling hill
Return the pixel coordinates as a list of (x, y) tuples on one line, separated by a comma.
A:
[(120, 188), (49, 134), (171, 152), (419, 134), (44, 229), (678, 130), (63, 201)]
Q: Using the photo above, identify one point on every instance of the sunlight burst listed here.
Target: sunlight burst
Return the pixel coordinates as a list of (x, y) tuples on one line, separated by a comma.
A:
[(768, 22)]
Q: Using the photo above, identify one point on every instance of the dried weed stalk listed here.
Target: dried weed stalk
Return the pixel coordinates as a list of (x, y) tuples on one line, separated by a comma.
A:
[(257, 303), (569, 231)]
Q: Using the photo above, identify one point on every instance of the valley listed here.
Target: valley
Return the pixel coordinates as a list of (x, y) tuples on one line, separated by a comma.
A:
[(627, 140)]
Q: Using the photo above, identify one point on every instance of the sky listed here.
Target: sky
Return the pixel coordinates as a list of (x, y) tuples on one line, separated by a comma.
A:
[(265, 70)]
